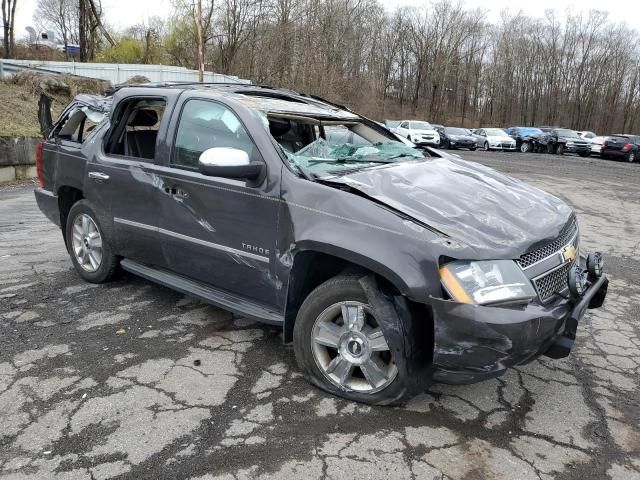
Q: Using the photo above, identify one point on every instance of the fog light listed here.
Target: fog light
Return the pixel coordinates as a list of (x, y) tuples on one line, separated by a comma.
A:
[(577, 281), (595, 264)]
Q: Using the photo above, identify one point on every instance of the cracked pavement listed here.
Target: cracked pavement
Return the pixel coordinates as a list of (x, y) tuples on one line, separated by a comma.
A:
[(133, 380)]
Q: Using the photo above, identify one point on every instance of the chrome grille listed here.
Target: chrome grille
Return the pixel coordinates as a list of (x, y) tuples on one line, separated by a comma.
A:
[(565, 237), (553, 282)]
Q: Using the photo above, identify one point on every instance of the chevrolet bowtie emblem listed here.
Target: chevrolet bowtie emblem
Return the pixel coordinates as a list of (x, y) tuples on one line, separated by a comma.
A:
[(568, 253)]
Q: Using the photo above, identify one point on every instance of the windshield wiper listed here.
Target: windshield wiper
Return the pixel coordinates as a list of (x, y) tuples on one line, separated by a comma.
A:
[(348, 159), (307, 174)]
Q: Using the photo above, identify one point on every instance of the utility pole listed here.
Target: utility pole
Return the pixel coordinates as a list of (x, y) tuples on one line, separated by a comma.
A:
[(200, 41)]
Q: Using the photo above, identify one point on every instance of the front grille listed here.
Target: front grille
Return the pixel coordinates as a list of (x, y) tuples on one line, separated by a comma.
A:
[(566, 236), (555, 281)]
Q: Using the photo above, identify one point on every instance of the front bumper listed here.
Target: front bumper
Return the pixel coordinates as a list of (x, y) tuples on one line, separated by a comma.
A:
[(48, 203), (474, 343), (577, 149), (462, 144), (502, 146)]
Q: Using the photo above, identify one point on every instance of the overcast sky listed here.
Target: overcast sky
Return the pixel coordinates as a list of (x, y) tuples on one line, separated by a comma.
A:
[(123, 13)]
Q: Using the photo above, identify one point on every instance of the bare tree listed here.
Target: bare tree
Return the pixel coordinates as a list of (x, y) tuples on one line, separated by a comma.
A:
[(8, 24)]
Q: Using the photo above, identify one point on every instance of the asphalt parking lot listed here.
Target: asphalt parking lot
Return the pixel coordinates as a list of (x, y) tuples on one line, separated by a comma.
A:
[(132, 380)]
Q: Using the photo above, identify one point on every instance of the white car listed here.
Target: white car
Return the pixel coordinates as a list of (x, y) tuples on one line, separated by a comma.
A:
[(596, 144), (418, 132), (494, 139), (587, 135)]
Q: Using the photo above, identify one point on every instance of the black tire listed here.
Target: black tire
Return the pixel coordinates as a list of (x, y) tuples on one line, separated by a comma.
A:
[(525, 147), (560, 149), (631, 157), (486, 146), (109, 262), (335, 290), (473, 149)]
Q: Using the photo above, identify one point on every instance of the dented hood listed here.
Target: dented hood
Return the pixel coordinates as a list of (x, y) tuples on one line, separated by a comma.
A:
[(469, 202)]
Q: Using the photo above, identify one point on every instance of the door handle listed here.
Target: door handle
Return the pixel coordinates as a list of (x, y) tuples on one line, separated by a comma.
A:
[(99, 176), (177, 192)]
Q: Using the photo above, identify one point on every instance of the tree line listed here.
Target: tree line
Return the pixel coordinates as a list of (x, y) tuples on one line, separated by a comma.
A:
[(442, 62)]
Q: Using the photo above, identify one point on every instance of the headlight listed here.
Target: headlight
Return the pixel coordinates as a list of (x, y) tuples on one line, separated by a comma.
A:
[(486, 282)]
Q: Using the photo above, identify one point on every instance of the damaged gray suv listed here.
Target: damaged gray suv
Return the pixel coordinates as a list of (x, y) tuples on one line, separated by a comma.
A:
[(389, 267)]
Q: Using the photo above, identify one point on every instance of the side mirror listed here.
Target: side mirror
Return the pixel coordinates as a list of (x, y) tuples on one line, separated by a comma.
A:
[(228, 163)]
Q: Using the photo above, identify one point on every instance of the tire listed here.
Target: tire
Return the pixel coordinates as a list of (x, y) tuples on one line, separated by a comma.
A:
[(631, 157), (485, 147), (90, 248), (525, 147), (560, 149), (377, 381), (473, 149)]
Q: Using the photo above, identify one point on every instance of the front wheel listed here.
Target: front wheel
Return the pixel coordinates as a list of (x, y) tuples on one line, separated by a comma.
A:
[(88, 246), (485, 147), (560, 149), (341, 347), (525, 147)]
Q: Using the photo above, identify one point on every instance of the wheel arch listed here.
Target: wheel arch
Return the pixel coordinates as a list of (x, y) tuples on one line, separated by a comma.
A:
[(312, 267), (67, 197)]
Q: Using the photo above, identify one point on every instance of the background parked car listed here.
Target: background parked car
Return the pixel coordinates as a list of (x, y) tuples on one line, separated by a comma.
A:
[(453, 137), (596, 144), (493, 139), (418, 132), (525, 137), (563, 140), (621, 146), (391, 124), (587, 135)]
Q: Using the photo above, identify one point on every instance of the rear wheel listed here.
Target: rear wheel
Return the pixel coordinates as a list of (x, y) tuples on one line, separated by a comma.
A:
[(341, 347), (631, 157), (90, 250), (560, 149)]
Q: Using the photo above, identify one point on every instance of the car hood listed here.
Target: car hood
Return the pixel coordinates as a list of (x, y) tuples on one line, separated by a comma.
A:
[(468, 202), (423, 132), (500, 138), (463, 137)]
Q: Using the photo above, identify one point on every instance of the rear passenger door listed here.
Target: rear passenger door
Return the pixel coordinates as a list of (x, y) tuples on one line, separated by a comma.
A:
[(121, 178), (220, 231)]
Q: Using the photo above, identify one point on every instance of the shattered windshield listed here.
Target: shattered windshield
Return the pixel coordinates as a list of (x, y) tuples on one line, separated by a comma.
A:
[(323, 157), (326, 146)]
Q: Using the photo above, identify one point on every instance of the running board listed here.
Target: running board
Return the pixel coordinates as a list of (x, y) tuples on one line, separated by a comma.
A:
[(206, 293)]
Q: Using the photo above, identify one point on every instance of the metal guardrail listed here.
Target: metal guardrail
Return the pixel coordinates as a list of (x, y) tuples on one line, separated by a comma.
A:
[(115, 72)]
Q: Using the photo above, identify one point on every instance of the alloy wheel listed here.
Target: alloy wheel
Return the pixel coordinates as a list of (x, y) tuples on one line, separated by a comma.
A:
[(632, 157), (86, 243), (350, 349)]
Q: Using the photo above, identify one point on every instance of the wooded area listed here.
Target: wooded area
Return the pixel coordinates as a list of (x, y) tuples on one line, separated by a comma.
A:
[(443, 63)]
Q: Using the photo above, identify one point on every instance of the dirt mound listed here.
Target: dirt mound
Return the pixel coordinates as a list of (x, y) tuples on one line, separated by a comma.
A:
[(136, 80), (19, 96)]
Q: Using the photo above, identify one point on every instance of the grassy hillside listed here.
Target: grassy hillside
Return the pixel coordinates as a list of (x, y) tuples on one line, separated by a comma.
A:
[(19, 100)]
